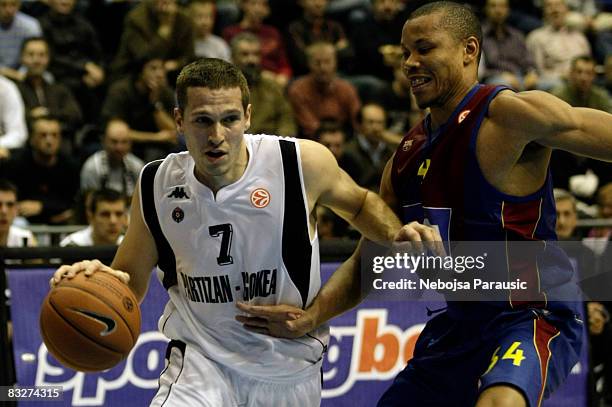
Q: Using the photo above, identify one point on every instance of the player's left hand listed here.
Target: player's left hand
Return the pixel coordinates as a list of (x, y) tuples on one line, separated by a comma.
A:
[(281, 321)]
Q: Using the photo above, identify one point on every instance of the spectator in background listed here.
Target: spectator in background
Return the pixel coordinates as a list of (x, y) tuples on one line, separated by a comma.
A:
[(331, 135), (321, 94), (604, 202), (368, 152), (555, 45), (507, 60), (312, 28), (145, 102), (579, 89), (155, 26), (13, 130), (271, 112), (274, 59), (376, 29), (567, 215), (600, 337), (76, 54), (41, 96), (207, 45), (107, 218), (15, 27), (47, 181), (11, 235), (114, 167)]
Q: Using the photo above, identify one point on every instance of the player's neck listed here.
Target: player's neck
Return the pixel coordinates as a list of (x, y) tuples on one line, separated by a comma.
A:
[(234, 173), (441, 112)]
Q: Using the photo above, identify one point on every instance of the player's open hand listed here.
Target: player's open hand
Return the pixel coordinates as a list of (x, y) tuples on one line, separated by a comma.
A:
[(281, 321), (88, 267)]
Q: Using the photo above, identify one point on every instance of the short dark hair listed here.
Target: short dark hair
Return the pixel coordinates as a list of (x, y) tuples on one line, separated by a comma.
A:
[(583, 58), (211, 73), (32, 39), (31, 122), (328, 126), (6, 185), (459, 20), (359, 116), (104, 195)]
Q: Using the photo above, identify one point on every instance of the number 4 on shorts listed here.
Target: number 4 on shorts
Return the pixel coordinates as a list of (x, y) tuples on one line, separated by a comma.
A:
[(513, 353)]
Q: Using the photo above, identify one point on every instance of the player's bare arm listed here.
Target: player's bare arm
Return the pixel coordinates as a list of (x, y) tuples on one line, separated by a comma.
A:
[(134, 261), (328, 185), (540, 117), (342, 291)]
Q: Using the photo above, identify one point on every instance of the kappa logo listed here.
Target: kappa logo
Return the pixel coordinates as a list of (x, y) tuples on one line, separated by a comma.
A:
[(260, 198), (178, 193), (178, 215), (463, 115)]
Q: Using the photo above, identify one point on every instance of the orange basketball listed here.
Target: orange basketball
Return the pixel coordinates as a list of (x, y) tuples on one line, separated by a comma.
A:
[(90, 323)]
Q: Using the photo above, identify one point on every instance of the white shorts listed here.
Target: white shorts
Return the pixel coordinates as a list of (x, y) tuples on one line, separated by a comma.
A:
[(192, 380)]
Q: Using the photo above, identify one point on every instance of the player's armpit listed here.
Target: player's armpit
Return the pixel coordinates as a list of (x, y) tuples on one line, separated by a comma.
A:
[(137, 254), (540, 117)]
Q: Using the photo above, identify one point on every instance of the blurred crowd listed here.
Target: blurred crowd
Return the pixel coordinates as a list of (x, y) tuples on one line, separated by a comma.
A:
[(86, 95)]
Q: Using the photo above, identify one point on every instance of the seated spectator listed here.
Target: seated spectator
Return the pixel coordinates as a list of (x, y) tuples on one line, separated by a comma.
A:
[(13, 130), (15, 27), (274, 59), (331, 135), (11, 235), (76, 54), (373, 31), (507, 60), (107, 218), (579, 89), (312, 28), (41, 96), (145, 102), (155, 26), (567, 215), (47, 181), (114, 167), (555, 45), (604, 203), (271, 112), (368, 152), (600, 337), (207, 45), (321, 94)]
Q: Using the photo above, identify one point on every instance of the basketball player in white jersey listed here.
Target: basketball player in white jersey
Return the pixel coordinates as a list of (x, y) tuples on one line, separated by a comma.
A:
[(231, 221)]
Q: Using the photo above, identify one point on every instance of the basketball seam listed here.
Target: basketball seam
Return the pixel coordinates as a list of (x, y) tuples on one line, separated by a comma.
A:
[(109, 305), (80, 331)]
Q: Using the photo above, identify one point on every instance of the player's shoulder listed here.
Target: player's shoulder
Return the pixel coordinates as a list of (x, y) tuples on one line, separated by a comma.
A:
[(510, 106)]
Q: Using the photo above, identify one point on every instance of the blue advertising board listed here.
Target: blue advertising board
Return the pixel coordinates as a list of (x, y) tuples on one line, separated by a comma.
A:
[(368, 347)]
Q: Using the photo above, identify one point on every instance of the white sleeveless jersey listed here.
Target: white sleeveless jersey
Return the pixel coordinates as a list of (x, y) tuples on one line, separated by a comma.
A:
[(248, 243)]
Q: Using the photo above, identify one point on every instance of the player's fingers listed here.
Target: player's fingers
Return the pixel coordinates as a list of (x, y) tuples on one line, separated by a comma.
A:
[(271, 312), (263, 331), (252, 321)]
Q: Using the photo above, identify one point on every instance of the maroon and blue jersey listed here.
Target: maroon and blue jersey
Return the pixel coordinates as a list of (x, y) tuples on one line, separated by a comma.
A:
[(438, 181)]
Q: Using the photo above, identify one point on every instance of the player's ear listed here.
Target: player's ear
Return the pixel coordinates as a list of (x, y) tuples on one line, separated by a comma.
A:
[(247, 117), (471, 50), (178, 119)]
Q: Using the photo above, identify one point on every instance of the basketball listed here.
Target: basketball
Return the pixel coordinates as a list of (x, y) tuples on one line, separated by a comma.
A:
[(90, 323)]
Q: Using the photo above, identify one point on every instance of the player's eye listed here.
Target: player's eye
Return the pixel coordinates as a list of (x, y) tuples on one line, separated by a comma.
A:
[(229, 120)]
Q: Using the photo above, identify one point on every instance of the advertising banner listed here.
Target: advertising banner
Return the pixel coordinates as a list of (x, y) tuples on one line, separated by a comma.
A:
[(368, 347)]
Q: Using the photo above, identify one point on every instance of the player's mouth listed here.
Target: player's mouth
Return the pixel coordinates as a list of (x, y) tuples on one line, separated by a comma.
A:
[(417, 83), (215, 155)]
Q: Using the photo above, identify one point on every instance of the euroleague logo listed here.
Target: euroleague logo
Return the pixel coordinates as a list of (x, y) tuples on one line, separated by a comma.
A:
[(260, 198), (463, 115)]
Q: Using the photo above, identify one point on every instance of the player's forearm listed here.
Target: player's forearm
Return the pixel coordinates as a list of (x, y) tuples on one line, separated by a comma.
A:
[(375, 220), (595, 126), (341, 292)]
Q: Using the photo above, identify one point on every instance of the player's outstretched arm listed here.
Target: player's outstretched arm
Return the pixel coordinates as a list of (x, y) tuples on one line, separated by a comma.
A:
[(540, 117), (328, 185), (134, 261), (341, 292)]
